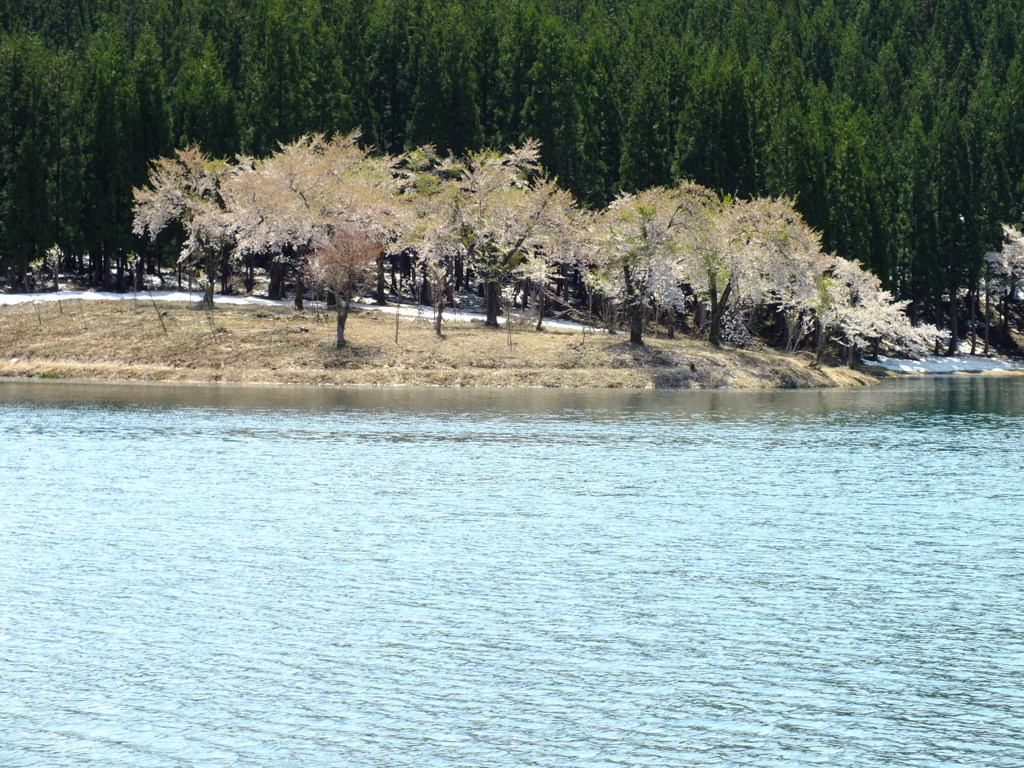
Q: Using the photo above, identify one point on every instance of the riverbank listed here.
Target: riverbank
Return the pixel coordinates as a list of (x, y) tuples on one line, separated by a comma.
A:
[(142, 340)]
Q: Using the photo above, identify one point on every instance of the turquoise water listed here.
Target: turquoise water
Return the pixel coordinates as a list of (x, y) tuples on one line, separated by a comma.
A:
[(201, 576)]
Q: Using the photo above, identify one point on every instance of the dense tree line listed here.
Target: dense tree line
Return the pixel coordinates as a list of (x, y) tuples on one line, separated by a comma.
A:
[(896, 126)]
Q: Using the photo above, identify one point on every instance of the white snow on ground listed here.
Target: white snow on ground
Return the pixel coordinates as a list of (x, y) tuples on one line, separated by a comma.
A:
[(963, 363), (405, 311), (21, 298), (422, 312)]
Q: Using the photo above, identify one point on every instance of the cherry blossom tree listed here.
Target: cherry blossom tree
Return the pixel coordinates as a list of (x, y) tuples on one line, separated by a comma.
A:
[(427, 219), (783, 260), (289, 204), (343, 265), (854, 309), (639, 261), (565, 241), (187, 188), (294, 201), (505, 213), (711, 265), (1008, 266)]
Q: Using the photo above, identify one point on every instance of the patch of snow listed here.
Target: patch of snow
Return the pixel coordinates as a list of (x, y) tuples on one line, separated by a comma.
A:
[(954, 364), (22, 298), (425, 312)]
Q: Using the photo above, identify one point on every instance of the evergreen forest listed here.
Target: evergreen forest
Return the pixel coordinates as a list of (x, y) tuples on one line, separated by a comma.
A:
[(897, 126)]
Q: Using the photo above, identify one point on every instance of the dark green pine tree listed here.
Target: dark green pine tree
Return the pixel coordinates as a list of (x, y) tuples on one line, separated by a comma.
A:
[(713, 143), (444, 95), (343, 29), (958, 215), (277, 73), (484, 20), (917, 275), (1010, 116), (152, 97), (517, 41), (988, 203), (203, 104), (841, 203), (601, 113), (112, 130), (68, 165), (65, 23), (646, 137), (388, 88), (553, 107), (25, 224), (785, 155), (331, 92)]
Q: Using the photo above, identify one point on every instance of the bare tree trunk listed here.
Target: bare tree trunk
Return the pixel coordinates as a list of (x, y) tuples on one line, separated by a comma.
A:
[(988, 315), (276, 288), (610, 317), (700, 314), (225, 274), (636, 325), (634, 308), (793, 326), (97, 266), (438, 314), (300, 289), (208, 284), (343, 308), (438, 291), (718, 305), (492, 294), (973, 316), (379, 296), (954, 330), (1011, 294)]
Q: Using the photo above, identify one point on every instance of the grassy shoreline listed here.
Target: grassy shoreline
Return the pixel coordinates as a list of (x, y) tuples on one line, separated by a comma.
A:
[(127, 341)]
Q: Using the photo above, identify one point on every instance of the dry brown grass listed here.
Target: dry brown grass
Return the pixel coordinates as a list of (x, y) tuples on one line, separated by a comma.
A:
[(124, 340)]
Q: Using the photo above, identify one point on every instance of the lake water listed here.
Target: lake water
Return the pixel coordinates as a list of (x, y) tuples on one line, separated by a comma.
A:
[(201, 576)]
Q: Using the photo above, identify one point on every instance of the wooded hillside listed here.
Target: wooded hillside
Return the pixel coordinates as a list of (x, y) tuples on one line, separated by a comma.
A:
[(896, 124)]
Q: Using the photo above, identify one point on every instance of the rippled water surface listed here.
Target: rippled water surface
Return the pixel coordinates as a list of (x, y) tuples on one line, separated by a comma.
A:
[(296, 577)]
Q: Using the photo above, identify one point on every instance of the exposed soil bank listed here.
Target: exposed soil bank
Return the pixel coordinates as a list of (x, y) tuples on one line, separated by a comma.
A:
[(129, 340)]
